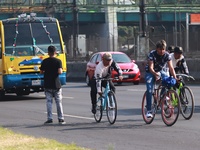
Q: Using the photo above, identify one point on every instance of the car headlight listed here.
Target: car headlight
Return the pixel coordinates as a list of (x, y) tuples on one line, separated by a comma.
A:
[(135, 67)]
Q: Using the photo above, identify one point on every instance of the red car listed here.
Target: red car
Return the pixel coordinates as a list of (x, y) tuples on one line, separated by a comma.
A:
[(131, 72)]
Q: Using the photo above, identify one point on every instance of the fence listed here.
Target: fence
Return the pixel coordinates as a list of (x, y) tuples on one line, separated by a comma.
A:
[(176, 37)]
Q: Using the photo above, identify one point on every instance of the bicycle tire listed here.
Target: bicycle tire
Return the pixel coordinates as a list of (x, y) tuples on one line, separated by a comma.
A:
[(111, 108), (170, 107), (99, 110), (186, 102), (144, 110)]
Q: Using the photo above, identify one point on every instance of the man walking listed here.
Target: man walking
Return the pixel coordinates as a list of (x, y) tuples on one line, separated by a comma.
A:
[(51, 67)]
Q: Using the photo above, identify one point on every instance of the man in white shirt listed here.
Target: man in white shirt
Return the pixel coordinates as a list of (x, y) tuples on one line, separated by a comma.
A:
[(178, 61), (103, 70)]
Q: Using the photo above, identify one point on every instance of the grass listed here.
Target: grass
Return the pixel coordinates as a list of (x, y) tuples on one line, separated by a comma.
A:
[(14, 141)]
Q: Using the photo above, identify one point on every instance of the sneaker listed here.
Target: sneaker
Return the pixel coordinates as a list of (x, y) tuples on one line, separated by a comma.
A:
[(49, 121), (167, 98), (94, 109), (61, 121), (149, 114)]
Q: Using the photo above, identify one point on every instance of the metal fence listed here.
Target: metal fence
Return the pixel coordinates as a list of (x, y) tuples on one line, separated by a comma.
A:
[(176, 38)]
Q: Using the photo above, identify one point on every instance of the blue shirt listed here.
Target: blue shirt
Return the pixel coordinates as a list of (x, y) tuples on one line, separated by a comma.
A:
[(159, 61)]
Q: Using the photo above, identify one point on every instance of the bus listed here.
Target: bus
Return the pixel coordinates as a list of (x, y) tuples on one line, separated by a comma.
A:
[(24, 44)]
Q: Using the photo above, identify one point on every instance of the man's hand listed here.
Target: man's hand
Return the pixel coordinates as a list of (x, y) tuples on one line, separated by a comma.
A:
[(158, 76), (120, 78), (100, 93)]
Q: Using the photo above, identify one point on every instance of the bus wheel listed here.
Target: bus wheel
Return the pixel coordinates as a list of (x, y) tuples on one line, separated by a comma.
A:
[(22, 92)]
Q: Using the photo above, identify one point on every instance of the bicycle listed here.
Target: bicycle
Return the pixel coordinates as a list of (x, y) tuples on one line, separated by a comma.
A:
[(186, 97), (106, 102), (165, 98)]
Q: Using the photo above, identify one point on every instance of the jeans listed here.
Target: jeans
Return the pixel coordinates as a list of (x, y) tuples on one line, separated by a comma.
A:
[(150, 80), (57, 95)]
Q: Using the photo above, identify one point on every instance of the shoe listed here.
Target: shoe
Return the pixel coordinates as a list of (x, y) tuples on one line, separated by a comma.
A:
[(49, 121), (167, 98), (94, 109), (149, 114), (61, 121)]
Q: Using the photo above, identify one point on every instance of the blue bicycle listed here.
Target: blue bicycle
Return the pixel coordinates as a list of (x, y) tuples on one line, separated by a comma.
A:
[(106, 102)]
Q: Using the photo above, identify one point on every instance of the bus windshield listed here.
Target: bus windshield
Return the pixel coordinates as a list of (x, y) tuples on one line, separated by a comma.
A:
[(31, 38)]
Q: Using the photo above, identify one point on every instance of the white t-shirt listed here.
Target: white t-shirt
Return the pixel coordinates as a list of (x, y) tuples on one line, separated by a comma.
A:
[(101, 71), (174, 61)]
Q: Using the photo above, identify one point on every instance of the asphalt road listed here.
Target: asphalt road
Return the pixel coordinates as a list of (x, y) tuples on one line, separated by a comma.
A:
[(28, 113)]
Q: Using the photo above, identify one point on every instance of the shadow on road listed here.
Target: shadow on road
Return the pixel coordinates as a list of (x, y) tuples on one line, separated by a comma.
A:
[(19, 98)]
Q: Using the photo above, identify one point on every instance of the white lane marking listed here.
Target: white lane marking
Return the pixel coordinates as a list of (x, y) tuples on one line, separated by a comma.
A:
[(136, 90), (73, 116), (68, 97), (63, 97)]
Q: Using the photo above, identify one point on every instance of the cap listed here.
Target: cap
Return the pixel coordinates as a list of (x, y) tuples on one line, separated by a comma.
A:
[(107, 56), (171, 48), (178, 50)]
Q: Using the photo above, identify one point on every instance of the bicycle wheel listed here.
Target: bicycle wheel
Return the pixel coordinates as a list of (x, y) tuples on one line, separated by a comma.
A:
[(111, 108), (144, 109), (170, 107), (186, 102), (99, 110)]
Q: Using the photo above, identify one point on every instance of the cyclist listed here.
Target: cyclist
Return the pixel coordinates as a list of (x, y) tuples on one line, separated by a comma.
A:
[(156, 68), (178, 61), (103, 70)]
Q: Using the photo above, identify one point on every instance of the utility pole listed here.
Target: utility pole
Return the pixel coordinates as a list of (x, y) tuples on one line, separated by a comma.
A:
[(142, 12), (75, 28)]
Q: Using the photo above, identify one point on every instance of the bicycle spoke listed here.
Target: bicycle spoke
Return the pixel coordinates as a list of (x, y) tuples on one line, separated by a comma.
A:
[(187, 102), (170, 108), (111, 108), (99, 110), (144, 110)]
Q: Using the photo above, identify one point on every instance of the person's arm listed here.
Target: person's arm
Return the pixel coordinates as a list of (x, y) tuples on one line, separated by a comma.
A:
[(151, 69), (60, 70), (171, 69), (98, 74), (117, 69), (41, 71), (42, 68), (184, 66)]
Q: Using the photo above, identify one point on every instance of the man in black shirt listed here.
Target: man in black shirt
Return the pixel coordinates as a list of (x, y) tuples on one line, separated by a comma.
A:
[(52, 67), (156, 69)]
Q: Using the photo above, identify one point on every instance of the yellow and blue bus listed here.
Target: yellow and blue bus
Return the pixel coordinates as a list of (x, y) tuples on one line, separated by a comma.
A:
[(23, 46)]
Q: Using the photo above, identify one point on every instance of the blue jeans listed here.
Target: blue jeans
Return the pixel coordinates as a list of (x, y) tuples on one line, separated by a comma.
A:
[(57, 95), (150, 80)]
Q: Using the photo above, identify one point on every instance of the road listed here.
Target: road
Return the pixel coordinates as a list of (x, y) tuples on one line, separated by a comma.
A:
[(28, 113)]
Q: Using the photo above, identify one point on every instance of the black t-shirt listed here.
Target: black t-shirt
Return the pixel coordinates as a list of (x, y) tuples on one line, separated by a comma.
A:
[(50, 67), (159, 62)]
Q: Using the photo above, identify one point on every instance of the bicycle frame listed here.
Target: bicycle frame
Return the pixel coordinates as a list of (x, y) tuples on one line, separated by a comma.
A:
[(107, 103), (167, 99), (105, 95)]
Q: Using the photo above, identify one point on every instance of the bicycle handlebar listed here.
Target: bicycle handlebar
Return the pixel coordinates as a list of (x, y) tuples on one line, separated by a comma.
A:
[(185, 75)]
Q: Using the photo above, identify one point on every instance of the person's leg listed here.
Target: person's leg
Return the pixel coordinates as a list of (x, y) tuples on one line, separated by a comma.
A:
[(59, 106), (93, 94), (112, 87), (150, 79), (49, 100)]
